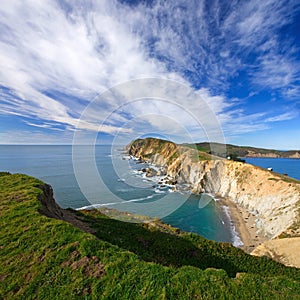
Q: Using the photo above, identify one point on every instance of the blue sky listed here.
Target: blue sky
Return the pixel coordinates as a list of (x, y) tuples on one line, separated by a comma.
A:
[(241, 58)]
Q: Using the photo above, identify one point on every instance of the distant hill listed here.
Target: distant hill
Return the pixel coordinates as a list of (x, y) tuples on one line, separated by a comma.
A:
[(244, 151)]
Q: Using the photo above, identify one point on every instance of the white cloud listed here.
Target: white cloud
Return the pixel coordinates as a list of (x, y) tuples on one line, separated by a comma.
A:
[(78, 55), (82, 49), (277, 71), (44, 125), (258, 23), (282, 117)]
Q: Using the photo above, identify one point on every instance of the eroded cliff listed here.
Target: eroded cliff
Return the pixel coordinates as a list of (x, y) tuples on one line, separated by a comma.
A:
[(274, 199)]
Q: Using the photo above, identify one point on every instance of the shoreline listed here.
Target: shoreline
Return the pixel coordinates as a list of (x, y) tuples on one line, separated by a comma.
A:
[(243, 223)]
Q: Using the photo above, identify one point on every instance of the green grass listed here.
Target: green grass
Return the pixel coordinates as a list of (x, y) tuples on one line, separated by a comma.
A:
[(46, 258), (157, 146)]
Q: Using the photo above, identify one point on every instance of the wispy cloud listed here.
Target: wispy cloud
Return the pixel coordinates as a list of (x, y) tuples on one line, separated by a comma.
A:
[(210, 44), (282, 117), (77, 52), (278, 72), (56, 57), (43, 125)]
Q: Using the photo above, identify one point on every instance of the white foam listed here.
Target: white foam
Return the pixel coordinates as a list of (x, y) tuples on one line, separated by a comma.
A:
[(134, 157), (126, 157), (125, 190), (115, 203), (211, 195), (137, 172), (236, 240)]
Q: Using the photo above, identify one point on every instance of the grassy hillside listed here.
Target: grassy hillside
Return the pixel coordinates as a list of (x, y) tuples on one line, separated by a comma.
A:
[(47, 258), (240, 151), (145, 148)]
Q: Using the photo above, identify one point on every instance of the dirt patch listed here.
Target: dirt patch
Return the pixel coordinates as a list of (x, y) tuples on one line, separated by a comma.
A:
[(91, 266)]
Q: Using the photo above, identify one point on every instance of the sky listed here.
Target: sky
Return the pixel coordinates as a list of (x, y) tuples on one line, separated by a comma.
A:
[(213, 70)]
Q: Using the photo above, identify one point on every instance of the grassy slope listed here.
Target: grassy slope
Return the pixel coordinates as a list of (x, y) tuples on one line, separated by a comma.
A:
[(45, 258)]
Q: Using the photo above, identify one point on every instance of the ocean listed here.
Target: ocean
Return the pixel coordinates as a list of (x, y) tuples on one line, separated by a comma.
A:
[(119, 184), (290, 166)]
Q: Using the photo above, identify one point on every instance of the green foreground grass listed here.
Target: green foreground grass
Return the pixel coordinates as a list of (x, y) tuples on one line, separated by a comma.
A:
[(46, 258)]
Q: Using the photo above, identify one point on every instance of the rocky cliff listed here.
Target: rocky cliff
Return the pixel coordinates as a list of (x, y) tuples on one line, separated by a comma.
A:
[(274, 199), (291, 154), (281, 250), (263, 155), (51, 209)]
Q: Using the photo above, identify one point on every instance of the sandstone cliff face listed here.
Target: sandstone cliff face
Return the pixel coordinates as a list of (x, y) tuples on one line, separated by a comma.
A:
[(273, 198), (281, 250), (294, 154), (266, 155)]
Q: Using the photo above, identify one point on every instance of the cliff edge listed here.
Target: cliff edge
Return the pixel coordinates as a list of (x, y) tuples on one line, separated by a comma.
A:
[(44, 257)]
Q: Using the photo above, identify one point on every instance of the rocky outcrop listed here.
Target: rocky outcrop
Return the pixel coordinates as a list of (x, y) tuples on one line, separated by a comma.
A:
[(281, 250), (263, 155), (292, 154), (295, 155), (274, 199), (51, 209), (279, 154)]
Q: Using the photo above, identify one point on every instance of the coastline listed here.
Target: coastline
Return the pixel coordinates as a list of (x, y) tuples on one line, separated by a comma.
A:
[(243, 223)]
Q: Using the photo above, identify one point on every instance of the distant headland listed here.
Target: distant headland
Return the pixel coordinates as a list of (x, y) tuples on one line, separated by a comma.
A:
[(244, 151)]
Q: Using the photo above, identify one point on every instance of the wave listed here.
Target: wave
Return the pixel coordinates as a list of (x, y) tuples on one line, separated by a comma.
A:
[(92, 206), (139, 172), (124, 190), (236, 240), (125, 157)]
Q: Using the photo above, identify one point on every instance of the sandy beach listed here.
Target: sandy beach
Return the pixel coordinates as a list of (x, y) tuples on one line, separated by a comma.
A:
[(244, 223)]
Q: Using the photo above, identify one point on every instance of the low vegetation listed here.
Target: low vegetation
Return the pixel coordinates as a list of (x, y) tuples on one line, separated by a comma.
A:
[(239, 151), (48, 258)]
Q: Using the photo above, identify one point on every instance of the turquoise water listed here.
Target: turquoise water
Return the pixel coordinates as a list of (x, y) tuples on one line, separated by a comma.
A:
[(205, 221), (290, 166), (122, 188)]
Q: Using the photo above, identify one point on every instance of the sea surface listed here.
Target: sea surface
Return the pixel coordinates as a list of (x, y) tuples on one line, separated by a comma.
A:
[(122, 186), (290, 166)]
